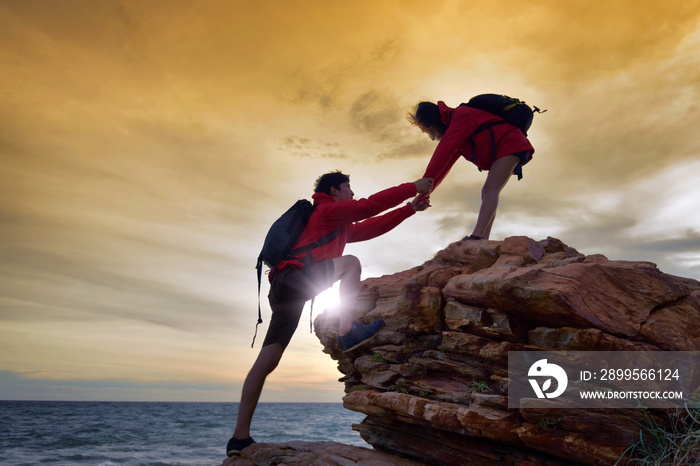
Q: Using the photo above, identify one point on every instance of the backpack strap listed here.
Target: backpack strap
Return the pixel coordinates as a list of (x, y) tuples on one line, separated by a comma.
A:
[(481, 128), (316, 244), (259, 269)]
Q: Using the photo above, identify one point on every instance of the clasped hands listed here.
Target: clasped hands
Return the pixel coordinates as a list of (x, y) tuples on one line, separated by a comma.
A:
[(422, 201)]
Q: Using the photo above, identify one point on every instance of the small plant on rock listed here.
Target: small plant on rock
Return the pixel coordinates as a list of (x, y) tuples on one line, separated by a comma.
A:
[(479, 387), (398, 389), (378, 358), (549, 422)]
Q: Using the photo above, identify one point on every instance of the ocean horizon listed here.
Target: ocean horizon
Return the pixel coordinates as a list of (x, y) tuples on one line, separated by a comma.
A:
[(147, 433)]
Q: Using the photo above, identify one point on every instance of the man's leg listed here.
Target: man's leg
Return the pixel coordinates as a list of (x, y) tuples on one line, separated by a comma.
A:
[(351, 334), (348, 270), (499, 174), (287, 304), (266, 362)]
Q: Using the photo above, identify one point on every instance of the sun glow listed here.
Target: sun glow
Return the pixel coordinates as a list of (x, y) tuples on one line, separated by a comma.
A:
[(328, 299)]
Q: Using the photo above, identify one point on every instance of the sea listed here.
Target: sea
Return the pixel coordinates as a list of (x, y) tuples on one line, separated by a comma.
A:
[(155, 434)]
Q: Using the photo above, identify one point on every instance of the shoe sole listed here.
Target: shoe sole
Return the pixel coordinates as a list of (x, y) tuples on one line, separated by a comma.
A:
[(233, 453), (363, 341)]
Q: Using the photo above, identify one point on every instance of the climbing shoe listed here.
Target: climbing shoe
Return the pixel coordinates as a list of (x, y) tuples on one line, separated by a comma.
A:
[(359, 334), (235, 445)]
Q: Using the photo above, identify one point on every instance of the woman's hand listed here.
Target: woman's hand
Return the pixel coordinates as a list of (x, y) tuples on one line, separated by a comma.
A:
[(424, 185)]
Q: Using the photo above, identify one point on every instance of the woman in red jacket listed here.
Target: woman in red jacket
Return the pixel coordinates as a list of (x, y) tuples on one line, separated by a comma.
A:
[(502, 150)]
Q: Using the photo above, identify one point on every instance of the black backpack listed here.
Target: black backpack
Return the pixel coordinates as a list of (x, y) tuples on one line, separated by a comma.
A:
[(512, 110), (281, 238)]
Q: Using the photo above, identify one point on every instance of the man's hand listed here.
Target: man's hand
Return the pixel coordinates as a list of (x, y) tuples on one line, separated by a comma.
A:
[(420, 203), (424, 185)]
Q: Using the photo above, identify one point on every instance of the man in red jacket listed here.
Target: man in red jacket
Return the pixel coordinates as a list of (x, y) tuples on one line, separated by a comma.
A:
[(291, 284)]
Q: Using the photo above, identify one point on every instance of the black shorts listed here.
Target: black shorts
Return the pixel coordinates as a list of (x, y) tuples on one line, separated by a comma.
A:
[(289, 291)]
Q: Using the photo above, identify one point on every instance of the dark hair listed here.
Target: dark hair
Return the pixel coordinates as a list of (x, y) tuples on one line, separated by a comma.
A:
[(324, 183), (427, 115)]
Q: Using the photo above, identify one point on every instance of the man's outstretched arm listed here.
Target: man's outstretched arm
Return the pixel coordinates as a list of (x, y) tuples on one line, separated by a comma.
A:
[(357, 210), (377, 226)]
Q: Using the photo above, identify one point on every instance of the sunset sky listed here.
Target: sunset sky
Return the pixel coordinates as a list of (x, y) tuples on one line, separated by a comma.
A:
[(147, 146)]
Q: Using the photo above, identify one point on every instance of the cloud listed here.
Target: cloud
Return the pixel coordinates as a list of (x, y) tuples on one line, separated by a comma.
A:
[(420, 148), (305, 147), (99, 295), (375, 115), (337, 81), (688, 243), (569, 44)]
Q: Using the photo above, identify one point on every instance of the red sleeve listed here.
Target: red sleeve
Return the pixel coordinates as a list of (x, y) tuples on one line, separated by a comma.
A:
[(462, 125), (377, 226), (356, 210)]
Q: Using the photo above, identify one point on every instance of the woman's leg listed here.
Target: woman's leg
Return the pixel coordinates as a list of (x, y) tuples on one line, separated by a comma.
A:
[(499, 174)]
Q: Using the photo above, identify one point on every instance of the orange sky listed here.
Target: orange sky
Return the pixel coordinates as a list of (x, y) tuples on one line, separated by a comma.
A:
[(146, 147)]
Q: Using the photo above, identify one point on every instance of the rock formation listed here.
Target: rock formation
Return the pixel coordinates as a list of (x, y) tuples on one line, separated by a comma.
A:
[(433, 382)]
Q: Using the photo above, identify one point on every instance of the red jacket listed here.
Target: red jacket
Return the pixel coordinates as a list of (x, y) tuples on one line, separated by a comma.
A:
[(462, 122), (330, 214)]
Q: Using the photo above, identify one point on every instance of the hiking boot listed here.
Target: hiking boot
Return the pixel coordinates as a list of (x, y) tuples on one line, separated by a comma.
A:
[(472, 237), (359, 334), (235, 445)]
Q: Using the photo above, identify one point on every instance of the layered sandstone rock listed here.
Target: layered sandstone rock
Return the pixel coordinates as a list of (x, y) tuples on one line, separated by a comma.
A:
[(433, 382)]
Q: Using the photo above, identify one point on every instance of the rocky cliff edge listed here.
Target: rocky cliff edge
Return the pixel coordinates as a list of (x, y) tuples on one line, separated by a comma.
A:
[(433, 382)]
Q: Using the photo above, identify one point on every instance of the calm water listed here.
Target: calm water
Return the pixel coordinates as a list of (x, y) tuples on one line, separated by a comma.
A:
[(152, 434)]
